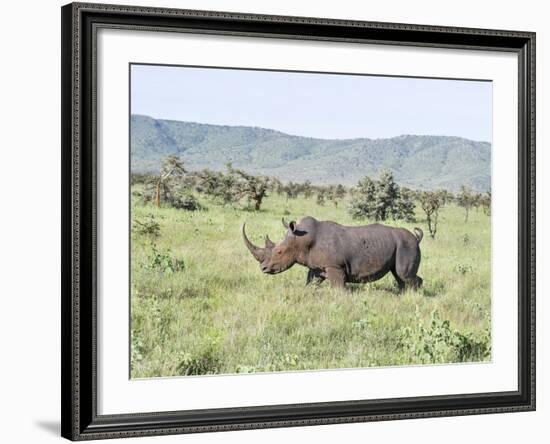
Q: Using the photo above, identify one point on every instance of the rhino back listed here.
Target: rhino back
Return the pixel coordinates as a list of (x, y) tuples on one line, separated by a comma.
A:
[(365, 252)]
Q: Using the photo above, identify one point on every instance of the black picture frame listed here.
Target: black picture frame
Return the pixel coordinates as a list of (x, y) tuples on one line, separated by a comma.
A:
[(80, 420)]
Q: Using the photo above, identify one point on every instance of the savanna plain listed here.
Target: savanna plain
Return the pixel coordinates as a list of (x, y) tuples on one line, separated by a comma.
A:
[(200, 304)]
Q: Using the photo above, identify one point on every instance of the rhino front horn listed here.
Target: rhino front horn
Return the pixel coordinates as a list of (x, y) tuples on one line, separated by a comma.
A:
[(258, 253)]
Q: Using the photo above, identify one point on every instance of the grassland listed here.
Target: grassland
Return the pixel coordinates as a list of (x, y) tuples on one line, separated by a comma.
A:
[(200, 305)]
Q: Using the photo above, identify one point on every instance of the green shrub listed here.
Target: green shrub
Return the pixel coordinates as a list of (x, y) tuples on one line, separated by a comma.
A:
[(464, 268), (140, 197), (186, 202), (147, 226), (203, 364), (163, 261), (203, 361), (439, 343), (381, 199), (137, 350)]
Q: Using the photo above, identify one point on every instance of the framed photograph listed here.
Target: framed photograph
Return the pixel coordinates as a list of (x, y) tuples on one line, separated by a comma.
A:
[(280, 221)]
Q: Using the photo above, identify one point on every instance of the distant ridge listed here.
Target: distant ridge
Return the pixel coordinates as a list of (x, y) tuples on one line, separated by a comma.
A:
[(424, 162)]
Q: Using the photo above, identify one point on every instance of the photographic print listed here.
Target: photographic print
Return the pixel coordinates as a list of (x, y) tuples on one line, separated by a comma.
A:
[(298, 221)]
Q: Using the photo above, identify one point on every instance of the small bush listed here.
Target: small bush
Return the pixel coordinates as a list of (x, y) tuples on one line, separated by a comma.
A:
[(163, 261), (203, 364), (148, 226), (141, 197), (321, 198), (136, 351), (203, 361), (186, 202), (439, 343), (464, 268)]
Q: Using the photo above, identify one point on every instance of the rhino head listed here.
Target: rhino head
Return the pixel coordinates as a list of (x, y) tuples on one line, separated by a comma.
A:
[(276, 257)]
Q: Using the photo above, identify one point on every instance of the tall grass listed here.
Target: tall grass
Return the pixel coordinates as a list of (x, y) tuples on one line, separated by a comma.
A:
[(200, 305)]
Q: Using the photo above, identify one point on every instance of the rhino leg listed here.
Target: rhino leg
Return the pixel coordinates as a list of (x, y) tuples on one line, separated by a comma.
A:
[(407, 262), (414, 283), (400, 282), (310, 276), (314, 275)]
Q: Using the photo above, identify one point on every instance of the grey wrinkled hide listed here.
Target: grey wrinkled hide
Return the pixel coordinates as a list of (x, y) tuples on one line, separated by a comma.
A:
[(342, 253)]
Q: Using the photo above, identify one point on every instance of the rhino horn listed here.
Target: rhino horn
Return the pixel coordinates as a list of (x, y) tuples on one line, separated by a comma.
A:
[(258, 253), (268, 242)]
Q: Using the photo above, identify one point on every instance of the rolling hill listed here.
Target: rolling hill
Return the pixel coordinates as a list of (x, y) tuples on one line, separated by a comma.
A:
[(424, 162)]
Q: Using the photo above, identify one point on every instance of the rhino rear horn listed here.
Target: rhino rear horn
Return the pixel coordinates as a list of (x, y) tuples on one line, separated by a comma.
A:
[(257, 252), (268, 242)]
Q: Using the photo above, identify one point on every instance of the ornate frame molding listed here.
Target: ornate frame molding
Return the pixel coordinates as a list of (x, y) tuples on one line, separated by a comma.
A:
[(79, 395)]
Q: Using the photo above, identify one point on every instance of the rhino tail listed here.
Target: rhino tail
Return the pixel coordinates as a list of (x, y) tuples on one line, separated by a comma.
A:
[(418, 233)]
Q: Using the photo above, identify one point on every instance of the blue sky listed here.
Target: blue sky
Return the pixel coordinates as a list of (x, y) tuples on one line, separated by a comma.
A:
[(331, 106)]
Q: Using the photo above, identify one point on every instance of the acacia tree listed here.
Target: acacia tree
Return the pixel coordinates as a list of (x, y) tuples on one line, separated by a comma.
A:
[(334, 193), (321, 193), (485, 202), (387, 194), (291, 190), (330, 195), (275, 186), (431, 202), (307, 189), (218, 185), (171, 168), (363, 203), (340, 191), (467, 199), (278, 186), (403, 208), (446, 197), (381, 199), (254, 188)]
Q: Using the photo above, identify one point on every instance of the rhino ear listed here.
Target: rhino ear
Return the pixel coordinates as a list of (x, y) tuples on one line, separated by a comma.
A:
[(290, 226)]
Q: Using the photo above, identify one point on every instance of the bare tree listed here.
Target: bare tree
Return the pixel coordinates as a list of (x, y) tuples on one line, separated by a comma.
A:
[(467, 199), (171, 167), (431, 202)]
